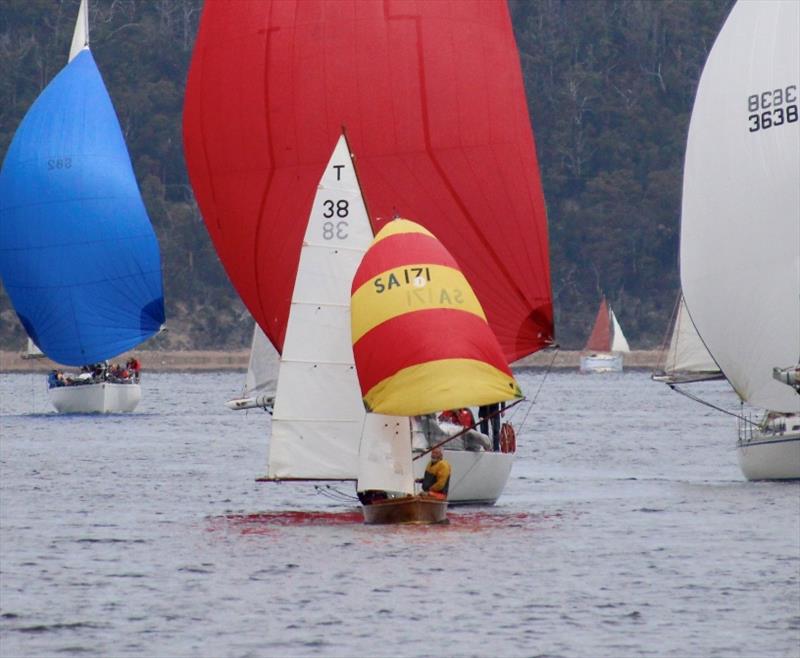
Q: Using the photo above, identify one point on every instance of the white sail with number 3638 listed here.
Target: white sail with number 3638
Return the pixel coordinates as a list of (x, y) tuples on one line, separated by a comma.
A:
[(740, 231)]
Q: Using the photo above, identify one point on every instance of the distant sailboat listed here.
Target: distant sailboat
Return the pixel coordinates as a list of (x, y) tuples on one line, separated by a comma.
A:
[(78, 255), (687, 360), (259, 385), (740, 225), (421, 344), (32, 351), (606, 343), (258, 131)]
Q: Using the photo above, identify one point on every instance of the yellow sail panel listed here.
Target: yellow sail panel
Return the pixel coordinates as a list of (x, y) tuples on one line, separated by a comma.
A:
[(412, 288), (437, 385), (420, 338), (399, 226)]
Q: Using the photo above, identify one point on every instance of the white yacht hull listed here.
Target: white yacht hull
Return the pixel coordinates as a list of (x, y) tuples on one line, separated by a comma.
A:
[(100, 398), (601, 362), (770, 457), (476, 478)]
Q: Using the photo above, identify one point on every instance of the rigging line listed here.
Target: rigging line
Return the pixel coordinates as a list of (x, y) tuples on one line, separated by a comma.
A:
[(541, 384), (334, 494), (691, 396)]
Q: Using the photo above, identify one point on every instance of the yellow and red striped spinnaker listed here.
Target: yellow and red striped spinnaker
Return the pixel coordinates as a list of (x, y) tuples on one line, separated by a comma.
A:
[(420, 338)]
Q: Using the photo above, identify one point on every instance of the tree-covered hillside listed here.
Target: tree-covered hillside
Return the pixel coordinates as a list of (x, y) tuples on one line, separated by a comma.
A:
[(610, 85)]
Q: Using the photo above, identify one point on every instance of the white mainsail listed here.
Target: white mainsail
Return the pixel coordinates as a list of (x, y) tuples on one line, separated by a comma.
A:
[(385, 455), (740, 228), (319, 415), (618, 341), (687, 358), (260, 378), (32, 351), (80, 36)]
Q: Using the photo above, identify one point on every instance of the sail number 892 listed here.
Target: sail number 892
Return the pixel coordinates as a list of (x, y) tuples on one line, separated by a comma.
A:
[(335, 212), (772, 108)]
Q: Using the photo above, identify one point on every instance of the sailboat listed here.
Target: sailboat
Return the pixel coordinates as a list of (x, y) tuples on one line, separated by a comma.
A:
[(740, 232), (269, 88), (606, 343), (78, 255), (259, 385), (32, 351), (421, 344), (686, 360)]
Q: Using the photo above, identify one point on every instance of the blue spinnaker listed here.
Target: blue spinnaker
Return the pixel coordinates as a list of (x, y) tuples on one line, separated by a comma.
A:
[(78, 255)]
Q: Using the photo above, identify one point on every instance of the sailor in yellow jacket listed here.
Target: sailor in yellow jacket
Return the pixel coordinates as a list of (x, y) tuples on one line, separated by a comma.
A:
[(437, 476)]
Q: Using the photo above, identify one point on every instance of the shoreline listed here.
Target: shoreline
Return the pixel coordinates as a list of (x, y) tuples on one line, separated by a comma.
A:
[(237, 361)]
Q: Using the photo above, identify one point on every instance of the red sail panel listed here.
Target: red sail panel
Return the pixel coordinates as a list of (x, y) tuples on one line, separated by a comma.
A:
[(421, 341), (432, 99), (600, 338)]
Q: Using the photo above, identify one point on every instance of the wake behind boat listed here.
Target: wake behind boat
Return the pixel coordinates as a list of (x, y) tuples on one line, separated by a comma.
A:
[(78, 255)]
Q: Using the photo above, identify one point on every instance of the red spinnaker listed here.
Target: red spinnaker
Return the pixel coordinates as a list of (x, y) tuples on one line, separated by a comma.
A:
[(431, 97)]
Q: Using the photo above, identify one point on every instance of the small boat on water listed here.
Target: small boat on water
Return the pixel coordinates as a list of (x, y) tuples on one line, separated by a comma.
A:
[(421, 344), (417, 510), (78, 255), (740, 226), (606, 345)]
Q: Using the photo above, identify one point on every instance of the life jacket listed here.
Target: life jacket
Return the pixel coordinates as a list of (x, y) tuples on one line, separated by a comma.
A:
[(432, 474)]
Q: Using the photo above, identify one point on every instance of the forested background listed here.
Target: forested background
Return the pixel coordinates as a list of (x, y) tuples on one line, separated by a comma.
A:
[(610, 86)]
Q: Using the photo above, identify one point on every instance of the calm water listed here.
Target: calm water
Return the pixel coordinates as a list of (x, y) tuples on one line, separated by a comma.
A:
[(626, 530)]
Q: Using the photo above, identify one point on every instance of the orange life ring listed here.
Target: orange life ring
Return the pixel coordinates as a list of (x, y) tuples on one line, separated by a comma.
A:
[(508, 438)]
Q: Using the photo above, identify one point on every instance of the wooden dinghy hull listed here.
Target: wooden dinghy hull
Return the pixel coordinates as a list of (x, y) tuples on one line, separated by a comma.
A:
[(419, 510)]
